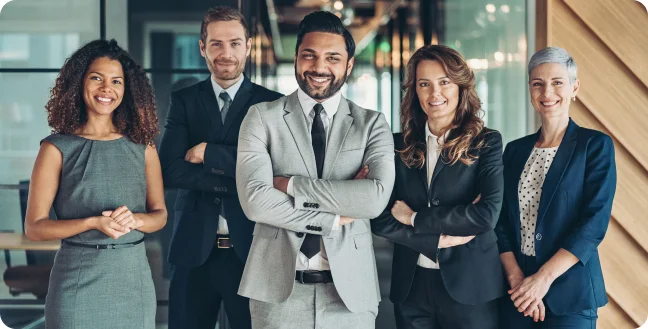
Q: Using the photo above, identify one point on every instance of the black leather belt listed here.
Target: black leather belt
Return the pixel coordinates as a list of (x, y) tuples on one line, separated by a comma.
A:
[(103, 246), (223, 242), (313, 276)]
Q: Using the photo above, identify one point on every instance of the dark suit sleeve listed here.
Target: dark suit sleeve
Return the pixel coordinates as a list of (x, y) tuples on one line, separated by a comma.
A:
[(504, 228), (388, 227), (220, 159), (177, 172), (471, 219), (598, 194)]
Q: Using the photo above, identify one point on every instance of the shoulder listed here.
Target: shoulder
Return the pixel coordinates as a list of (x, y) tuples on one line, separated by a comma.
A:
[(514, 144), (491, 136), (188, 92), (264, 94), (360, 113), (62, 142), (270, 106), (595, 141)]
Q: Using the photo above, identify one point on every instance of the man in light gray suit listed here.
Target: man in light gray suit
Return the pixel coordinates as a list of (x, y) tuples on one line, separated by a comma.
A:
[(312, 168)]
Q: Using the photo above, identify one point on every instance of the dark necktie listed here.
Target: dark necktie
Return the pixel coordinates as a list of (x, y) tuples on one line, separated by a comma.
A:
[(227, 101), (311, 245)]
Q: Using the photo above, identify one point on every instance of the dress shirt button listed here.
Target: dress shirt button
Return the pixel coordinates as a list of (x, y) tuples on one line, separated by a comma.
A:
[(300, 234), (435, 202), (538, 236), (217, 201)]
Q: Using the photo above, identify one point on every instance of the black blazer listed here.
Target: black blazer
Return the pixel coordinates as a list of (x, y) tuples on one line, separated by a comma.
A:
[(194, 117), (573, 214), (472, 273)]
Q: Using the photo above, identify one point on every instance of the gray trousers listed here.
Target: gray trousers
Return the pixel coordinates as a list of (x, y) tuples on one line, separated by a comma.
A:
[(310, 306)]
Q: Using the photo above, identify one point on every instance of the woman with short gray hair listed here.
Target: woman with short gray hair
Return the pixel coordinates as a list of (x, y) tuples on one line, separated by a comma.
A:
[(559, 185)]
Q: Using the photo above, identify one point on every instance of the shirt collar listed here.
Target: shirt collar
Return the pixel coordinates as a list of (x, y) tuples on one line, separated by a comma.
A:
[(232, 90), (428, 135), (330, 105)]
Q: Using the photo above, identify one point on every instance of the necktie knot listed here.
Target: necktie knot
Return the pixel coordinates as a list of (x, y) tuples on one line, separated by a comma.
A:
[(225, 97), (318, 108)]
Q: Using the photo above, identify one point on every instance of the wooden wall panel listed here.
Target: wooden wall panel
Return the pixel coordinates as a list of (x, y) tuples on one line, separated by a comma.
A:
[(621, 27), (609, 89), (609, 41)]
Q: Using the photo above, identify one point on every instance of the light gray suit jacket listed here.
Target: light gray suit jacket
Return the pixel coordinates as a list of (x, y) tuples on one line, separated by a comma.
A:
[(274, 140)]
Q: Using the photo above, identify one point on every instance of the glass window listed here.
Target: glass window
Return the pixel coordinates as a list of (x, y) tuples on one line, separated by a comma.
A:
[(43, 33), (493, 39)]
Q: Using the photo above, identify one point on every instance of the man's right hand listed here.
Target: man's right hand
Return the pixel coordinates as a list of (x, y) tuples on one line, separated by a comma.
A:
[(447, 241), (346, 220)]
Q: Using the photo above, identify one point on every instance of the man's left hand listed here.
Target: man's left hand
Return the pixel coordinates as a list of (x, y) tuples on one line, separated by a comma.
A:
[(196, 154), (281, 183)]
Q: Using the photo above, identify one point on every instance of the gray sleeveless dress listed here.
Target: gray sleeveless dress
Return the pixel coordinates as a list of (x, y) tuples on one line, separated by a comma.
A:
[(106, 288)]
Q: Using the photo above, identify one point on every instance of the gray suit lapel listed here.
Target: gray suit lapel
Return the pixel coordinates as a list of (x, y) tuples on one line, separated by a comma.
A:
[(340, 126), (297, 125)]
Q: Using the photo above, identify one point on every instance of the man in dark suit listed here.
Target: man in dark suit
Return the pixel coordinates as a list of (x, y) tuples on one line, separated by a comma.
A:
[(211, 235)]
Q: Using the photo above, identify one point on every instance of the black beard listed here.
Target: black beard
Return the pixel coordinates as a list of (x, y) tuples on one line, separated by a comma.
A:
[(334, 86)]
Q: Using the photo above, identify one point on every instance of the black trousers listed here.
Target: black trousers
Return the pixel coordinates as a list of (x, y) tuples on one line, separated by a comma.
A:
[(510, 318), (429, 306), (195, 294)]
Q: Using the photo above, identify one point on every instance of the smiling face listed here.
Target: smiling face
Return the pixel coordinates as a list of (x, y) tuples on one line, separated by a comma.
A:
[(103, 86), (437, 94), (225, 49), (322, 64), (551, 90)]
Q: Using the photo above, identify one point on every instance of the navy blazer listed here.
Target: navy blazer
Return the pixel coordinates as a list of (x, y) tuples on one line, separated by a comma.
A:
[(573, 214), (194, 117)]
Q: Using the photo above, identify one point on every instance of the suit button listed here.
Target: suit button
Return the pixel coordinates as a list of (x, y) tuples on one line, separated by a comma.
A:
[(435, 202), (214, 170), (217, 201), (538, 236), (306, 204), (316, 206), (300, 234), (220, 172)]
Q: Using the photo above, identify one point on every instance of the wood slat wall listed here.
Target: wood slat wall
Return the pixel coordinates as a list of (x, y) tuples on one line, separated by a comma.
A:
[(609, 42)]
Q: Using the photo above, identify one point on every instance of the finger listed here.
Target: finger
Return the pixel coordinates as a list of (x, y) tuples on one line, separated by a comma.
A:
[(118, 227), (532, 306), (106, 213), (541, 308), (515, 293), (128, 222), (119, 219), (524, 306), (119, 211), (536, 314)]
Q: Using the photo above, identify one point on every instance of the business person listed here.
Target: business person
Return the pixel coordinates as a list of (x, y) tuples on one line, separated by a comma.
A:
[(446, 200), (101, 172), (311, 263), (559, 187), (211, 235)]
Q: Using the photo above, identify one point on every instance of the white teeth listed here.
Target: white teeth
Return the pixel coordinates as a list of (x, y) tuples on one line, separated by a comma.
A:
[(549, 103), (320, 79), (437, 103), (101, 99)]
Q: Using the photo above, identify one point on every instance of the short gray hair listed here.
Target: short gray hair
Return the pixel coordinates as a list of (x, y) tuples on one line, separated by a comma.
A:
[(554, 55)]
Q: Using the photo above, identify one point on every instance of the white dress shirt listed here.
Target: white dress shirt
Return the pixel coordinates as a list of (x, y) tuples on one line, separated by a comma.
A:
[(433, 150), (232, 90), (319, 262), (529, 193)]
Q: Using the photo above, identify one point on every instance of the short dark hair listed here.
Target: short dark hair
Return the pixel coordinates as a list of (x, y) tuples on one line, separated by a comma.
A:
[(222, 14), (324, 21)]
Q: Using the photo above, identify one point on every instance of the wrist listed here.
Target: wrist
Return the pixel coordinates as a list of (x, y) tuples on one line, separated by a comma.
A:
[(92, 223), (546, 275)]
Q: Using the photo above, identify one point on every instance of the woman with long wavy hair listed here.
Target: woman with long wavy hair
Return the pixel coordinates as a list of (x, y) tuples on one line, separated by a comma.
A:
[(101, 173), (446, 200)]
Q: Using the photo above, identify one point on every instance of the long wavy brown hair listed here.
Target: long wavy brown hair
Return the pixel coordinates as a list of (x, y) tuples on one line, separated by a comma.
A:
[(135, 117), (465, 130)]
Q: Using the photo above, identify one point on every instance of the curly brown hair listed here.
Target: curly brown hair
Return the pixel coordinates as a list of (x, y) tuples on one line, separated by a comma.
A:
[(466, 126), (135, 117)]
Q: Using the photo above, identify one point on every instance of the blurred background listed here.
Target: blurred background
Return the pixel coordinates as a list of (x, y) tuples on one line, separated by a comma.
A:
[(607, 38)]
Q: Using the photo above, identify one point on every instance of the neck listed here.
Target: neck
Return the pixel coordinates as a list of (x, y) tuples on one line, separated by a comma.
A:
[(98, 125), (552, 131), (226, 83), (436, 125)]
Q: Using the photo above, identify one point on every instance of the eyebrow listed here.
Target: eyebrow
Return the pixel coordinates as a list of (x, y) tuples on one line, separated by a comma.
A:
[(426, 79), (115, 77), (556, 78), (218, 40), (334, 53)]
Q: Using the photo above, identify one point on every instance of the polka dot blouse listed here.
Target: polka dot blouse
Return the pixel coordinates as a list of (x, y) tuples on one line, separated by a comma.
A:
[(529, 192)]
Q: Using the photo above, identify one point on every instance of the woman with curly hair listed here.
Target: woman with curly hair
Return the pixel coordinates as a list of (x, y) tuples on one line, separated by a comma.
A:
[(446, 200), (101, 173)]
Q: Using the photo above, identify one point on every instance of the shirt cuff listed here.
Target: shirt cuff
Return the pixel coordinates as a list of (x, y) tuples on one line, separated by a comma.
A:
[(336, 223), (290, 190), (412, 219)]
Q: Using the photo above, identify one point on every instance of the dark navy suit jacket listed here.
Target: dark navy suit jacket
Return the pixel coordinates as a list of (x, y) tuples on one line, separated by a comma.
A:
[(194, 117), (574, 212)]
